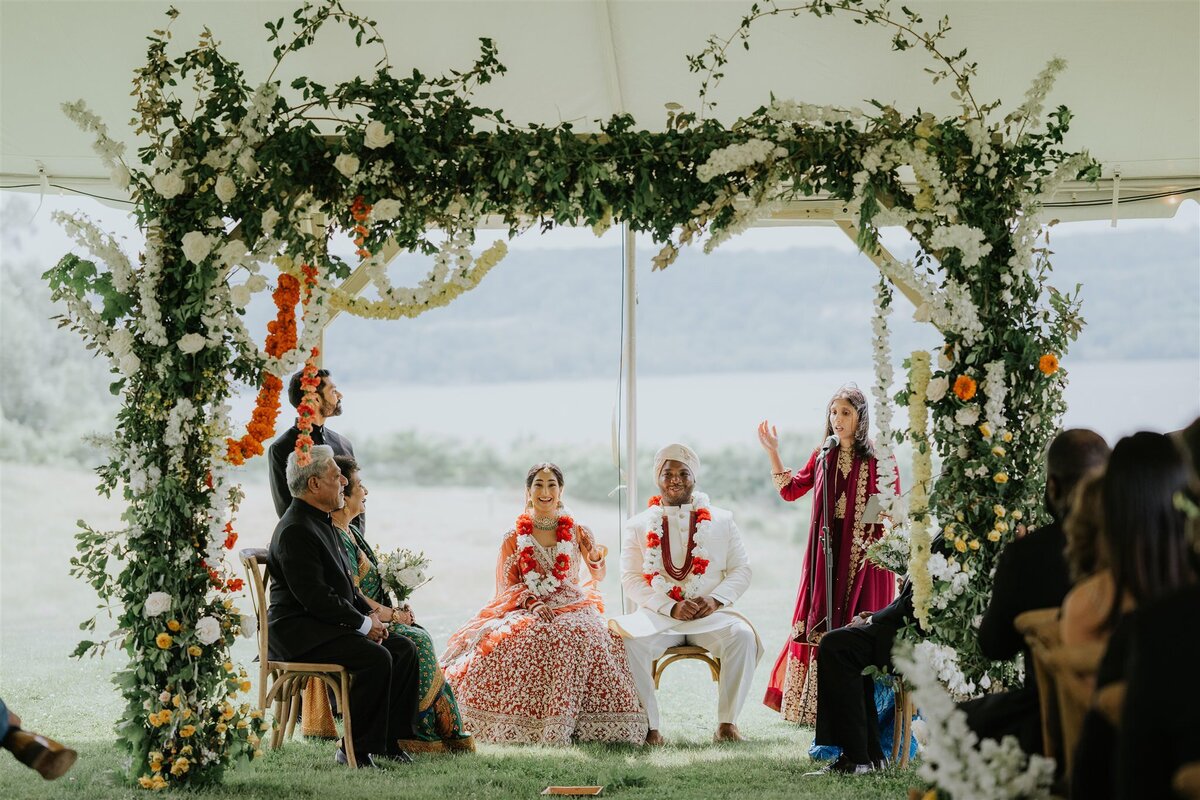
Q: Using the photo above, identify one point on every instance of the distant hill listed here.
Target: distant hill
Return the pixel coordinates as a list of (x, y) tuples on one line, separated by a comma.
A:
[(553, 314)]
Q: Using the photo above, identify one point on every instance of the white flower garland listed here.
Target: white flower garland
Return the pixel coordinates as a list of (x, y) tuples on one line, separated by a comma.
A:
[(954, 759), (885, 455), (652, 558), (919, 542), (542, 585)]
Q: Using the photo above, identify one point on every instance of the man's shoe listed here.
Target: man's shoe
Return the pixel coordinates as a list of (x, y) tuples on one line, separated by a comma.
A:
[(40, 753), (364, 761), (842, 766)]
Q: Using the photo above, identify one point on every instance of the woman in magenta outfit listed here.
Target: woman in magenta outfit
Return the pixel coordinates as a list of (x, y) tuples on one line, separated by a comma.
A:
[(858, 586)]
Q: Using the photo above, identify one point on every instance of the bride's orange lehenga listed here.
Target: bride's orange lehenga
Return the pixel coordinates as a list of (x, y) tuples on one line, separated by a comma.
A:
[(519, 679)]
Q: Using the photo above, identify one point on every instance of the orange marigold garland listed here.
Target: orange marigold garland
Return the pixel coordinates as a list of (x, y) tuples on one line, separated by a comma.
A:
[(309, 381), (281, 337), (361, 212)]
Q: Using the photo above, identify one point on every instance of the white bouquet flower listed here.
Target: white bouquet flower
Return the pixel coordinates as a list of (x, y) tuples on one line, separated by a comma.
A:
[(403, 572)]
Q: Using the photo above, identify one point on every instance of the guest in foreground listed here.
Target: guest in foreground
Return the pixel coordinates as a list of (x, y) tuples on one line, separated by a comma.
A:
[(1031, 573), (439, 727), (846, 716), (1158, 734), (684, 565), (41, 754), (537, 664), (850, 472), (316, 614)]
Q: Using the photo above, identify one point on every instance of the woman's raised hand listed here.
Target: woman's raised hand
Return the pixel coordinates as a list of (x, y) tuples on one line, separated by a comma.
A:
[(768, 437)]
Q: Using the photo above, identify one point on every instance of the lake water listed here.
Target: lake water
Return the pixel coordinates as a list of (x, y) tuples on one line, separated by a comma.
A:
[(1114, 398)]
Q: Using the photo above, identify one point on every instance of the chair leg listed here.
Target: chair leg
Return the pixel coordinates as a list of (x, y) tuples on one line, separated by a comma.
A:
[(906, 731), (294, 690), (347, 731)]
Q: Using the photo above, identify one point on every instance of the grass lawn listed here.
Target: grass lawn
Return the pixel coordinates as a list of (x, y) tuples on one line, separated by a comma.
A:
[(41, 606)]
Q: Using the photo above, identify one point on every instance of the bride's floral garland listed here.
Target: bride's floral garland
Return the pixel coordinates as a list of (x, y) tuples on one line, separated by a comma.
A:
[(652, 560), (542, 585)]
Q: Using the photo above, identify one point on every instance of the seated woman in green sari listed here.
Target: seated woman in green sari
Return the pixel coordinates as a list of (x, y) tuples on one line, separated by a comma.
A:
[(439, 725)]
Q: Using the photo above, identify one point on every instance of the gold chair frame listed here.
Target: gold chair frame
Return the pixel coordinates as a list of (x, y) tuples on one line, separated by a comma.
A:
[(684, 652)]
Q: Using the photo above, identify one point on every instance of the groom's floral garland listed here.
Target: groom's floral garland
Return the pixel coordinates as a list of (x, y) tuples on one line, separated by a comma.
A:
[(542, 585), (652, 561)]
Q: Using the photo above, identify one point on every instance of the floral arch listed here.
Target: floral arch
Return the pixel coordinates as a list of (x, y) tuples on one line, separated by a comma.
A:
[(234, 175)]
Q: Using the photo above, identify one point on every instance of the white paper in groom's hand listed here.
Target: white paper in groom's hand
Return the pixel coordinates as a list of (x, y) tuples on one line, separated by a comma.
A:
[(872, 510)]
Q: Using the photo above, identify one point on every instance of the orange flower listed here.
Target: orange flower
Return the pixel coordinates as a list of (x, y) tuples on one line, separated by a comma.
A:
[(1048, 364), (964, 387)]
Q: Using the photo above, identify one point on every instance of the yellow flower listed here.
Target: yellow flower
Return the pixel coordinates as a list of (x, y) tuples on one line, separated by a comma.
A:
[(186, 750), (173, 625), (257, 754), (1000, 477), (974, 544), (226, 711), (1016, 515), (993, 536), (180, 766), (145, 782), (177, 700), (159, 783), (1001, 526), (998, 451), (163, 640), (228, 604), (960, 545), (187, 730), (228, 666), (999, 510), (985, 431), (245, 686), (958, 515), (253, 739), (185, 713), (256, 714), (194, 651), (221, 727), (241, 723), (930, 795), (1006, 436)]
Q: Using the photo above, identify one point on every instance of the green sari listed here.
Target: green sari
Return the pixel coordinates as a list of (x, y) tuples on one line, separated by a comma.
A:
[(439, 727)]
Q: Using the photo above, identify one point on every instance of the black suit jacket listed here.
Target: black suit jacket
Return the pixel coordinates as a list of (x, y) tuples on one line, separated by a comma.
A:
[(282, 447), (313, 598)]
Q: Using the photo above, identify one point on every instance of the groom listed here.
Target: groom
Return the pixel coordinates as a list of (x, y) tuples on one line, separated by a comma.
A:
[(683, 564)]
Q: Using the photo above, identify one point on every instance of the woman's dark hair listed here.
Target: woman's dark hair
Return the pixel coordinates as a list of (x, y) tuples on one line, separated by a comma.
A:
[(1084, 527), (1145, 532), (296, 391), (349, 468), (536, 468), (854, 396)]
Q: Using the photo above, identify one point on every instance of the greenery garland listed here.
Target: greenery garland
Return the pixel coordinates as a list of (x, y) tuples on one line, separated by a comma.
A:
[(232, 175)]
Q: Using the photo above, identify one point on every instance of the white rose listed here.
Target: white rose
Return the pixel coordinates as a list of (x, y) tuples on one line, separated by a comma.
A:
[(936, 389), (239, 296), (376, 136), (120, 342), (945, 362), (256, 283), (346, 164), (967, 415), (232, 252), (247, 163), (386, 209), (226, 189), (270, 219), (167, 184), (249, 625), (191, 343), (129, 364), (120, 176), (156, 603), (196, 246), (208, 630)]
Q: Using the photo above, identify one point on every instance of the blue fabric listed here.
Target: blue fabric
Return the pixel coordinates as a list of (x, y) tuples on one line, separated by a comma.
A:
[(885, 707), (3, 720)]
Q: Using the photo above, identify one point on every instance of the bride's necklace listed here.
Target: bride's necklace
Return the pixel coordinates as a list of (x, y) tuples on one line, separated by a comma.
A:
[(538, 583), (547, 524)]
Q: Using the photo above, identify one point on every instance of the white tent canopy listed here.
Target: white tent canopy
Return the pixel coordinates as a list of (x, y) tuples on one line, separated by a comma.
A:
[(1132, 82)]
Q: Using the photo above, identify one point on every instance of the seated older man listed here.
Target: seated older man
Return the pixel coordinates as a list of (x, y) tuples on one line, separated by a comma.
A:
[(316, 614)]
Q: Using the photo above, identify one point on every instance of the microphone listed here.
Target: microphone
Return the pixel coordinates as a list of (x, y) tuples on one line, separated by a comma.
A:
[(830, 443)]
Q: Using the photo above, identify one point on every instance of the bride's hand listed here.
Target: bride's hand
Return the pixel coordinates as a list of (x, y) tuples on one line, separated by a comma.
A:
[(543, 612), (768, 437), (404, 615)]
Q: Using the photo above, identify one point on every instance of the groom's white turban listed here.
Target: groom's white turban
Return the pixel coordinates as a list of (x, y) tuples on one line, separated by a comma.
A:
[(677, 452)]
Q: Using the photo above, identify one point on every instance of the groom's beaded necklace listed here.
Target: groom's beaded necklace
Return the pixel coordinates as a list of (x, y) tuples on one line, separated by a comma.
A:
[(678, 573)]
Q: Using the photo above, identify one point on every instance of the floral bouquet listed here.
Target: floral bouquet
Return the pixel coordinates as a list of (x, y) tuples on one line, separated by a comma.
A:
[(891, 551), (403, 572)]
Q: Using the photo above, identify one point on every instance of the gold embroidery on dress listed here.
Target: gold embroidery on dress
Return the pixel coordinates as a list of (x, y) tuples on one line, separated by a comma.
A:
[(782, 479), (858, 544), (799, 690), (839, 509), (845, 461)]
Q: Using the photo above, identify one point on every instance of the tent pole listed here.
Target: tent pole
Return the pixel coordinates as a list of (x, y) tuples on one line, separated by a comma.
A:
[(630, 378)]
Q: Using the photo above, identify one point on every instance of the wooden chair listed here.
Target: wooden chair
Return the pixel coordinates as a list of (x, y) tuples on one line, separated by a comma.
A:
[(1187, 781), (1074, 682), (902, 727), (681, 653), (282, 682), (1041, 631)]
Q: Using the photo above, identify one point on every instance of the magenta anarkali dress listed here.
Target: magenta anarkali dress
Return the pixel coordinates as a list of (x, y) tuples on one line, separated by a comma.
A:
[(858, 585)]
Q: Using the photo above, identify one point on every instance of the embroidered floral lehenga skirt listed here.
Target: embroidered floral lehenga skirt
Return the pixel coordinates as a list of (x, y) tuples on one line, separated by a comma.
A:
[(519, 679)]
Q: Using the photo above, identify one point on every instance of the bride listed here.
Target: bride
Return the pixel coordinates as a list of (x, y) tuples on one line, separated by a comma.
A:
[(538, 664)]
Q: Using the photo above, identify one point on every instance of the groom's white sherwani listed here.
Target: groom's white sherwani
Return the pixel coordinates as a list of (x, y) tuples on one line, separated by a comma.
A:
[(650, 630)]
